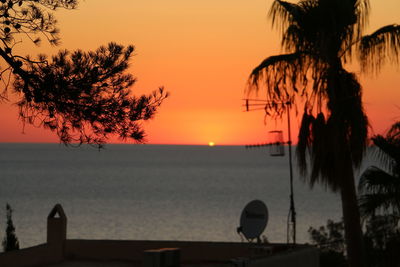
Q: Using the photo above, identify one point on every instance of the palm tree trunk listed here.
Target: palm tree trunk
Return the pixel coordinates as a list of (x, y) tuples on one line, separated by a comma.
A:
[(351, 218)]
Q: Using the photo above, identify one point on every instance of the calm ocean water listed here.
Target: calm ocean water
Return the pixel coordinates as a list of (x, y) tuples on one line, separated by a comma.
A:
[(151, 192)]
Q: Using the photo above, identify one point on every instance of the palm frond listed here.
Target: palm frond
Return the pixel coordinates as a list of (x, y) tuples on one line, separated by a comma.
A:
[(304, 142), (379, 190), (358, 135), (280, 75), (379, 47), (362, 12), (292, 38), (376, 180), (371, 204), (394, 132), (387, 152), (284, 12), (353, 20), (320, 169), (315, 138)]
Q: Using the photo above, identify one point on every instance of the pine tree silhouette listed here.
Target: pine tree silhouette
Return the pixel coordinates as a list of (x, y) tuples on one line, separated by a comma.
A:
[(10, 241)]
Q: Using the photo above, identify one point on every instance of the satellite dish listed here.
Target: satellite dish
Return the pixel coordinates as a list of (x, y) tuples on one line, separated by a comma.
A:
[(254, 219)]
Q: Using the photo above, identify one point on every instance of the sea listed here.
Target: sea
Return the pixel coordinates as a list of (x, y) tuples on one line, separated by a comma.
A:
[(154, 192)]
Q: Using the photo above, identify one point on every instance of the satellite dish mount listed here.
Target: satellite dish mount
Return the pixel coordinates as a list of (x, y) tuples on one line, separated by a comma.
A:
[(253, 221)]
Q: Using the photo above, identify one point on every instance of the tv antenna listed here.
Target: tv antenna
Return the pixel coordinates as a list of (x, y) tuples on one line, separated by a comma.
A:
[(254, 220), (277, 149)]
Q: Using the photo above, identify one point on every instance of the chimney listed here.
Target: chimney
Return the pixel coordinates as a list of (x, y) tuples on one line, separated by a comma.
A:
[(56, 226)]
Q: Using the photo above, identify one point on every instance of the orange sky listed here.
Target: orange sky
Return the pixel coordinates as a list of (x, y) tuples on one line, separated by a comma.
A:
[(202, 52)]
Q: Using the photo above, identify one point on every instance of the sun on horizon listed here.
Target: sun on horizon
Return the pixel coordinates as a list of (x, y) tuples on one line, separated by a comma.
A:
[(211, 143)]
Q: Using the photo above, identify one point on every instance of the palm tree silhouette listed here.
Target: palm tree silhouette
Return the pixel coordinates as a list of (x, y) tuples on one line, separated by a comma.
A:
[(379, 188), (320, 37)]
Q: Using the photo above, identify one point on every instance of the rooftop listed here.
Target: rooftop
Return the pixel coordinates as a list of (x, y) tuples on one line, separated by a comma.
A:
[(62, 252)]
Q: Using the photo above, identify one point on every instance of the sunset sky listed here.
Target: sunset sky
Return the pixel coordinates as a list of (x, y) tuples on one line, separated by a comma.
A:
[(202, 53)]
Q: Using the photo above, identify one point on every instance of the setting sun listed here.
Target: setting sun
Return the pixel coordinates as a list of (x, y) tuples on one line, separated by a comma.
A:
[(194, 34), (211, 144)]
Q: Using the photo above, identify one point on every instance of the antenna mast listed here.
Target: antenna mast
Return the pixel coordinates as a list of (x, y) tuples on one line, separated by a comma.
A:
[(291, 220)]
